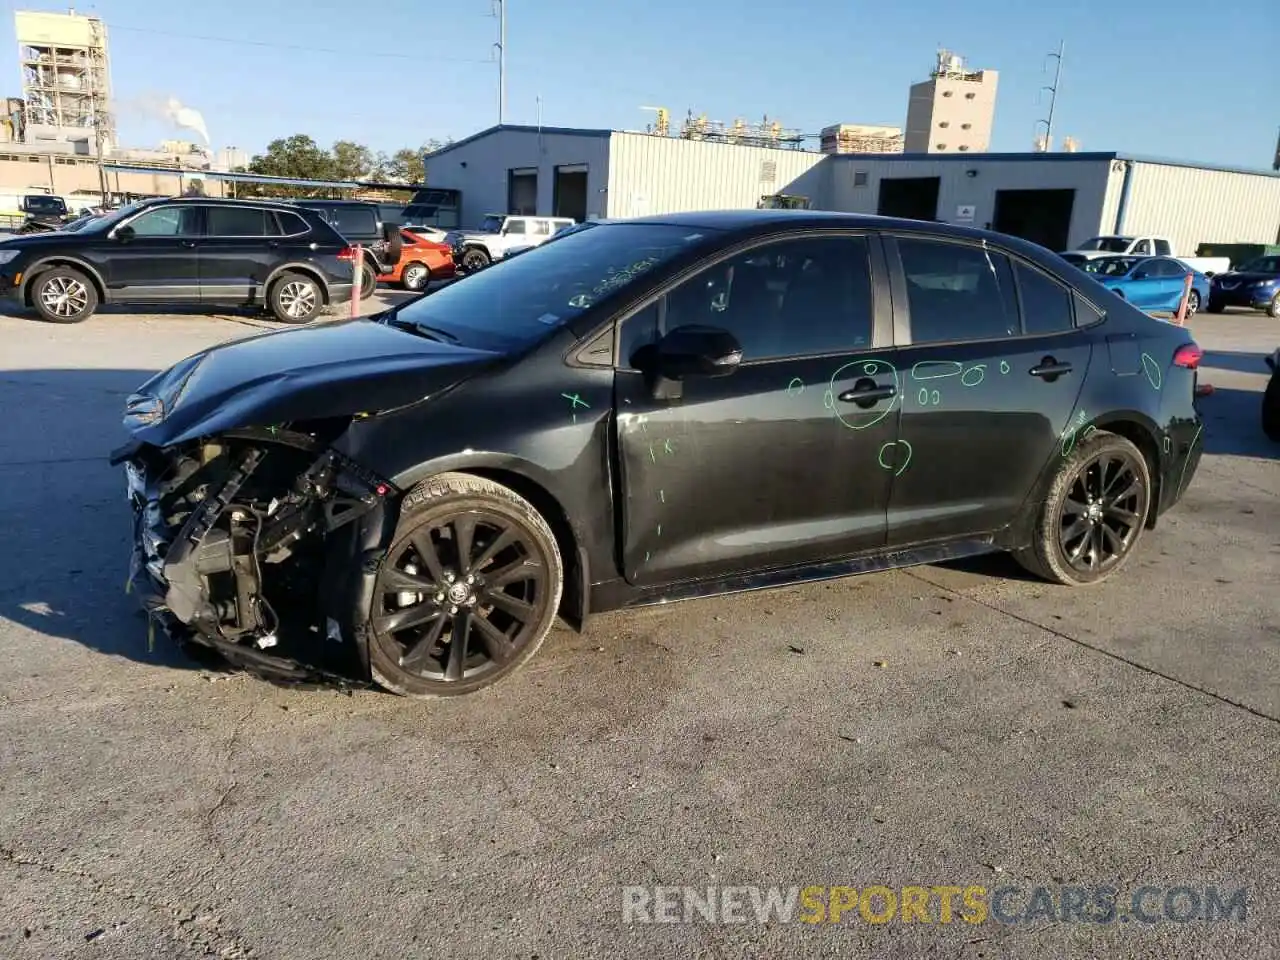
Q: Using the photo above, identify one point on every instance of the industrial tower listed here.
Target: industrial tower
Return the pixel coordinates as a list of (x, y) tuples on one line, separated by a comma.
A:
[(66, 77)]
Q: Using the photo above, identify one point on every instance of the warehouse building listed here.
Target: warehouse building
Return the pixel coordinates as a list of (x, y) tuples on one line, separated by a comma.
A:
[(1056, 199)]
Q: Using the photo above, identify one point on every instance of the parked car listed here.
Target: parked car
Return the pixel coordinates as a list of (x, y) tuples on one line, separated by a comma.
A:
[(182, 250), (1271, 399), (1256, 284), (498, 235), (559, 234), (421, 261), (1148, 246), (361, 222), (646, 411), (1153, 284)]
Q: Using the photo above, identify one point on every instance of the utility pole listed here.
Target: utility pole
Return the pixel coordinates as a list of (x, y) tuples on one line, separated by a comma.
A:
[(1053, 96), (501, 47)]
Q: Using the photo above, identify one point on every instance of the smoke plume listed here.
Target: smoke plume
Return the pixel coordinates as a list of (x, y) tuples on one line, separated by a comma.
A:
[(187, 118)]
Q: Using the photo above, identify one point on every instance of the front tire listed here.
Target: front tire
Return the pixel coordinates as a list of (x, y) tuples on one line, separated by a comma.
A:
[(1094, 514), (1271, 408), (467, 592), (475, 259), (64, 295), (1273, 309), (295, 298)]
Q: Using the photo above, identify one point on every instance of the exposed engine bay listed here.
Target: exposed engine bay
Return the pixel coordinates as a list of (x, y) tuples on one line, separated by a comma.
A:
[(231, 541)]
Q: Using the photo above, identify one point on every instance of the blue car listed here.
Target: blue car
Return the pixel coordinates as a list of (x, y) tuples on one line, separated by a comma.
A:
[(1256, 284), (1152, 284)]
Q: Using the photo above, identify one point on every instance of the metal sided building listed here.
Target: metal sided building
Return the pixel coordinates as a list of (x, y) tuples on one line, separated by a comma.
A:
[(1061, 199), (579, 173), (1055, 199)]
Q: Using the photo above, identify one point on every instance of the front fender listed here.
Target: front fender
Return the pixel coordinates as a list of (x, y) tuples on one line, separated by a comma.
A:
[(49, 262)]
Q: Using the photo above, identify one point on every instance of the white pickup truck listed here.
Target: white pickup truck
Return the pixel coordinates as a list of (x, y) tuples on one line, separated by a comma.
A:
[(1112, 245)]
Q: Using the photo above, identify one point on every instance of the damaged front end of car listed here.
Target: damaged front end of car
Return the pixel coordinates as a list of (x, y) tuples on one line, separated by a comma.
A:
[(259, 543)]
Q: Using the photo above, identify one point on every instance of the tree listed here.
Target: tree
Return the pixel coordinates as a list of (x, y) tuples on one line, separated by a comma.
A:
[(295, 156), (352, 161), (405, 165)]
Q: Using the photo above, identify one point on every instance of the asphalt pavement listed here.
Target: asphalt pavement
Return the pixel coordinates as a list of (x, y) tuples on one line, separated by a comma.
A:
[(954, 725)]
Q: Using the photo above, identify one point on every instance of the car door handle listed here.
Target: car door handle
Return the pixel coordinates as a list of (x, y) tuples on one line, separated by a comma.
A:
[(867, 392), (1049, 368), (189, 243)]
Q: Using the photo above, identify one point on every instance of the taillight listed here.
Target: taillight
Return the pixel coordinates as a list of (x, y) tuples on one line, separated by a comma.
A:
[(1188, 356), (347, 254)]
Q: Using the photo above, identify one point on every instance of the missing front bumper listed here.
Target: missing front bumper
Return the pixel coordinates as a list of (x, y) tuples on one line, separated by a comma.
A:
[(257, 545)]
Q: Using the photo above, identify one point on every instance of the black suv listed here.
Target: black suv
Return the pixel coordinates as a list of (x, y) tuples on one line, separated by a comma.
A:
[(365, 223), (183, 250)]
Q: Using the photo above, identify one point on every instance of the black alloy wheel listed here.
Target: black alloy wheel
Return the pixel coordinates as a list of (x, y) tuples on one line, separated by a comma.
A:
[(1093, 513), (467, 592), (475, 260), (1102, 513)]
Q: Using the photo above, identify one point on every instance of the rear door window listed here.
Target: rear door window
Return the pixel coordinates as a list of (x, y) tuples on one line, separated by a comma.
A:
[(957, 292), (239, 222)]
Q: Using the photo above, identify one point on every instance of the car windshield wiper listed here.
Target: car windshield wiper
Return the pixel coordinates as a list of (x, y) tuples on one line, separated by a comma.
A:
[(421, 329)]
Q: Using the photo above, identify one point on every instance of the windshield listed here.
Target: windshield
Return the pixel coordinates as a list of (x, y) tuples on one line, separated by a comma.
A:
[(1110, 244), (46, 205), (1111, 266), (77, 225), (518, 299), (492, 224), (1261, 265)]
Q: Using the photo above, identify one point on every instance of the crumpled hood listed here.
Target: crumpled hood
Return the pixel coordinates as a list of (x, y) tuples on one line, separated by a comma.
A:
[(327, 370)]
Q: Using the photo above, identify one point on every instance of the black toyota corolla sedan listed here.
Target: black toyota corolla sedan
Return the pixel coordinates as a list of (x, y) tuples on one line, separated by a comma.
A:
[(650, 410)]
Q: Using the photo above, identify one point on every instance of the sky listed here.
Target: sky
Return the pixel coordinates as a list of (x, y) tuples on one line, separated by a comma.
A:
[(1183, 79)]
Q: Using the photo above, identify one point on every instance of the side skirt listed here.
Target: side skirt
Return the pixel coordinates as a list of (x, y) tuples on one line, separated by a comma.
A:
[(618, 594)]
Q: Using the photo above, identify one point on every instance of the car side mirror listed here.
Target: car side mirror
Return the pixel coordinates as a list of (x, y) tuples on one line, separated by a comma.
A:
[(695, 350), (123, 233)]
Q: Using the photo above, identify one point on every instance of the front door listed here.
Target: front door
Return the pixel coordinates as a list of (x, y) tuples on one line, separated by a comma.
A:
[(238, 251), (990, 376), (160, 261), (778, 463)]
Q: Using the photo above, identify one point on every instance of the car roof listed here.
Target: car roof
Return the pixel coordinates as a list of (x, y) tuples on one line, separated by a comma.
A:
[(221, 202)]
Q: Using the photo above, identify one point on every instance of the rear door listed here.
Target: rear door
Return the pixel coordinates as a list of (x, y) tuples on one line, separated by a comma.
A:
[(991, 367), (241, 245)]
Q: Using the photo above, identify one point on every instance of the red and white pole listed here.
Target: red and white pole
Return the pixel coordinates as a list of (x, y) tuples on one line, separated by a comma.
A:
[(357, 268), (1181, 317)]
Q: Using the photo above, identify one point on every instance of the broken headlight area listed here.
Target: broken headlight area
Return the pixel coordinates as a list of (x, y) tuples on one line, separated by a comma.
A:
[(231, 543)]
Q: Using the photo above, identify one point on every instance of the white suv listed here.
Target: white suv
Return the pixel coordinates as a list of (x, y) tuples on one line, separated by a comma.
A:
[(499, 235)]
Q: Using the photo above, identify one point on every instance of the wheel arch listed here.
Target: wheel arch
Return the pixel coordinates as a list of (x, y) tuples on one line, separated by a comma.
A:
[(524, 479), (309, 269), (34, 271)]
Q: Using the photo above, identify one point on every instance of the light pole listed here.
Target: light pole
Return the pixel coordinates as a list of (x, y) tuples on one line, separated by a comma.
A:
[(1053, 97), (501, 47)]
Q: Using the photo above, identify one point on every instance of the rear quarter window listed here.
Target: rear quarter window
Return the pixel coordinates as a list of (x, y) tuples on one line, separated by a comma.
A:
[(291, 223)]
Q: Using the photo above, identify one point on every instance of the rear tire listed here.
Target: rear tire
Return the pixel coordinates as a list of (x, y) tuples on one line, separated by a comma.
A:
[(1193, 304), (415, 276), (1096, 510), (64, 295), (368, 281), (295, 298), (1271, 408), (1273, 309), (444, 619)]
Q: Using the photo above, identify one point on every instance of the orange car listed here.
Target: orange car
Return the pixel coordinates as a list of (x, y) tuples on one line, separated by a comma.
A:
[(421, 261)]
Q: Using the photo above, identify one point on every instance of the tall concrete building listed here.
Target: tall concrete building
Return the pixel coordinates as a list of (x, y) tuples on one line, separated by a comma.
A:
[(953, 111), (66, 78)]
